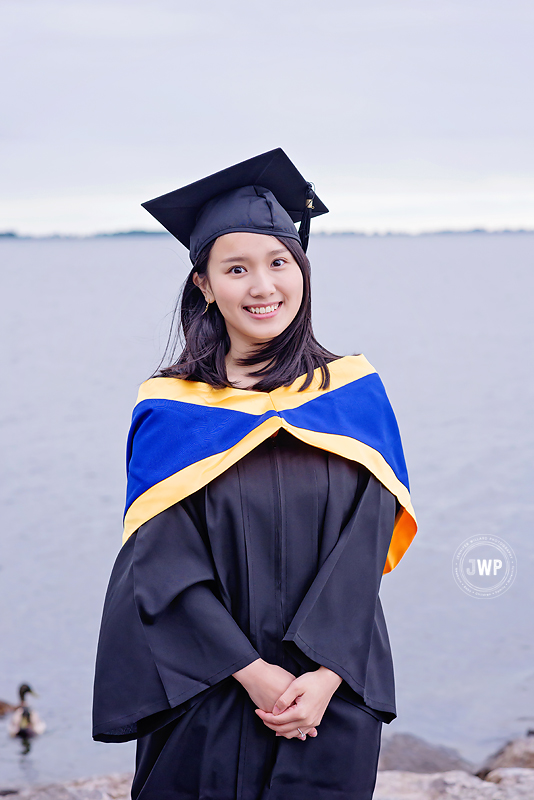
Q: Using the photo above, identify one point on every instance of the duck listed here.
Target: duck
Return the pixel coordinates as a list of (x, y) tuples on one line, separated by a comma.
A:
[(25, 723)]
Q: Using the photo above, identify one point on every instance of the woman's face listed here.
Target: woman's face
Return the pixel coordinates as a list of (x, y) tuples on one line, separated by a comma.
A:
[(256, 283)]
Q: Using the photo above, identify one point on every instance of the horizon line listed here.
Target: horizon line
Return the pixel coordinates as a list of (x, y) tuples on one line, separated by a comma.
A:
[(366, 234)]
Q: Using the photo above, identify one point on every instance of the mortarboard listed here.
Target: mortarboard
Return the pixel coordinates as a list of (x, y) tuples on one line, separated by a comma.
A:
[(265, 194)]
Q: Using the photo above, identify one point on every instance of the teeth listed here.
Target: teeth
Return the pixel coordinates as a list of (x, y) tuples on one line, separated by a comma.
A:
[(263, 309)]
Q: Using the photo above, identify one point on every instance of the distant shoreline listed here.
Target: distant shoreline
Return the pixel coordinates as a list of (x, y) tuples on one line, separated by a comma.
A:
[(10, 235)]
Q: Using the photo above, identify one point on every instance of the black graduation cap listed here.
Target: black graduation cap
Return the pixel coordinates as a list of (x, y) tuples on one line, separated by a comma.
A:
[(265, 194)]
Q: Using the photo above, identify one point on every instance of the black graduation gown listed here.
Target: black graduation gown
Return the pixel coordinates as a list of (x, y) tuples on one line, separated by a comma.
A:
[(281, 557)]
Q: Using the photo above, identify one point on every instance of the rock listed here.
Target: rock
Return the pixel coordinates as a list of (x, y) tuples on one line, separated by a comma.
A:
[(404, 751), (507, 784), (520, 778), (397, 785), (517, 753), (108, 787)]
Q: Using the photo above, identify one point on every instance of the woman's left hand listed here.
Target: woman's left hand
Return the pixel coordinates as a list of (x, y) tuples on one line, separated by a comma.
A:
[(303, 704)]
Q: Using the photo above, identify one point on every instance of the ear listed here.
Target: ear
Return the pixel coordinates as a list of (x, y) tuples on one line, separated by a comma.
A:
[(204, 285)]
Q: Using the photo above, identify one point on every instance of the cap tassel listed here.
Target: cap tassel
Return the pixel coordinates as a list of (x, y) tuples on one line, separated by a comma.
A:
[(304, 227)]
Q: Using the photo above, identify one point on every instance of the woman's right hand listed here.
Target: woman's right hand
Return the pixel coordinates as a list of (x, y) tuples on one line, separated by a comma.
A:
[(265, 683)]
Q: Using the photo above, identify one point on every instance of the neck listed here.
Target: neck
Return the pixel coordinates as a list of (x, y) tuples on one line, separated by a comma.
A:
[(237, 374)]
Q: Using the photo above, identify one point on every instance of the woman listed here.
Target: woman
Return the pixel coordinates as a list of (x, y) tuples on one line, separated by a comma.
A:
[(243, 642)]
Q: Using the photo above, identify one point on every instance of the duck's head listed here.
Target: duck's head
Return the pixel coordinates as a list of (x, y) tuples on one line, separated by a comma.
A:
[(24, 689)]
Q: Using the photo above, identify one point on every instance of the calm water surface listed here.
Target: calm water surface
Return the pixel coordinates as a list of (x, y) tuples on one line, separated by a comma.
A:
[(447, 321)]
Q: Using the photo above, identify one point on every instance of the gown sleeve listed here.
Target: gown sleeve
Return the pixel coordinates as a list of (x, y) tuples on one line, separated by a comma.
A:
[(165, 637), (339, 623)]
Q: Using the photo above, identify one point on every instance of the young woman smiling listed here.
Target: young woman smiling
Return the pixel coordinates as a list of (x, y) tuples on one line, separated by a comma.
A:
[(257, 286), (267, 495)]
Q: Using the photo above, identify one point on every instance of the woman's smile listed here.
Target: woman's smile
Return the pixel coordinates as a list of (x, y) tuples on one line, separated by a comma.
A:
[(263, 311)]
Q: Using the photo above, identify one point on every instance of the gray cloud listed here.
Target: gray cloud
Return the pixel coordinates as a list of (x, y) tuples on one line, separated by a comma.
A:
[(108, 103)]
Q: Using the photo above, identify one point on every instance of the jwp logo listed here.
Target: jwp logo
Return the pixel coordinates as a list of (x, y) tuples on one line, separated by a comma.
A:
[(484, 566)]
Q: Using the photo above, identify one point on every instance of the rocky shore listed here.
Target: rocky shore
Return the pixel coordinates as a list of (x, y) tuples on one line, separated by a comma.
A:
[(107, 787), (500, 784), (409, 769), (412, 769)]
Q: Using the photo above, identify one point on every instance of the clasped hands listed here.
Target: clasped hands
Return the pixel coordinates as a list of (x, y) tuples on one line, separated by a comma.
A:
[(286, 703)]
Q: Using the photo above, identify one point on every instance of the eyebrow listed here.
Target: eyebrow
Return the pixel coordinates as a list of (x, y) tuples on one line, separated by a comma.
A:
[(245, 258)]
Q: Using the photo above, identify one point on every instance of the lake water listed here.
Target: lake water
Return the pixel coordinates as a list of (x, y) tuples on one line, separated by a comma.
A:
[(448, 322)]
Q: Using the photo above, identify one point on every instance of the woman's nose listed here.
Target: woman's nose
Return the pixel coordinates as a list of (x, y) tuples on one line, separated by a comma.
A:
[(262, 285)]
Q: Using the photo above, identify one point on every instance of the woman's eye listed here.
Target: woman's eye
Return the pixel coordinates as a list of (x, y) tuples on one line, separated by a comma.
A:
[(237, 268), (278, 262)]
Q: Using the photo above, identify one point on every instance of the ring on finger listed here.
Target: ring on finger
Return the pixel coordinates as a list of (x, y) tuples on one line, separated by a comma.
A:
[(302, 735)]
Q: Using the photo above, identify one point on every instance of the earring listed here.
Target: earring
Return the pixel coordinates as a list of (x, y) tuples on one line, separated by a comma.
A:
[(207, 306)]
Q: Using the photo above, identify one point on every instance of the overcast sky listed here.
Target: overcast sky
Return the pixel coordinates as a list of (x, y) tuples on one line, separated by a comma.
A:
[(408, 116)]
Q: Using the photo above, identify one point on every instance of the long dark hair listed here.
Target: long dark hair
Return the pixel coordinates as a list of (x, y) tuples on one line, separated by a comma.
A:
[(205, 340)]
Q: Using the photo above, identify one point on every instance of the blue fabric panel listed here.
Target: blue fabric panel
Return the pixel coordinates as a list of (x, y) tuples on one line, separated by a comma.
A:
[(361, 410), (166, 436)]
